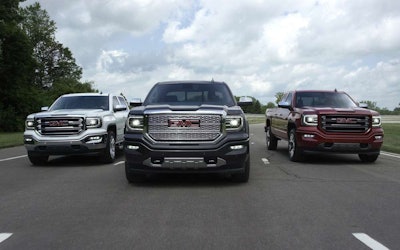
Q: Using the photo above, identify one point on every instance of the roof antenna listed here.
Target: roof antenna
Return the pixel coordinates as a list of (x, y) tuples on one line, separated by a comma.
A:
[(335, 90)]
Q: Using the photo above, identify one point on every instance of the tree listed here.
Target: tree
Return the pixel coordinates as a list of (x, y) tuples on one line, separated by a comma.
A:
[(370, 104), (53, 60), (34, 68), (279, 96), (16, 69)]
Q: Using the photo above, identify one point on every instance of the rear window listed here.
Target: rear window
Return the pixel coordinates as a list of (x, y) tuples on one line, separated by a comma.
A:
[(190, 94)]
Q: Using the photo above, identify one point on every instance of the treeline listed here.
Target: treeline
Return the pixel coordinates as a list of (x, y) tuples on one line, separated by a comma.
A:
[(35, 69)]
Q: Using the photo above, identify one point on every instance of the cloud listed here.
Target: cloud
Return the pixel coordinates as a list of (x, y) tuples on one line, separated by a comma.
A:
[(258, 47)]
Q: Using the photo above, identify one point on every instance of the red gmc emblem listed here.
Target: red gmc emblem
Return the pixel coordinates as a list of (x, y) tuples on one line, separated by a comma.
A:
[(60, 123), (183, 123), (346, 120)]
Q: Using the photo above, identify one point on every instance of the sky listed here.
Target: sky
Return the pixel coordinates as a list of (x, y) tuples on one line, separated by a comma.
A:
[(258, 47)]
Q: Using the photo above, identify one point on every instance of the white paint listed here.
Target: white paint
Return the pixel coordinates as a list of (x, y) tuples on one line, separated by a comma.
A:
[(13, 158), (265, 160), (119, 163), (4, 236), (371, 243), (391, 155)]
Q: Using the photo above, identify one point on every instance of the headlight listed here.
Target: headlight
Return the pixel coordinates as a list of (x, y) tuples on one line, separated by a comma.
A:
[(135, 122), (233, 122), (93, 122), (310, 120), (376, 121), (29, 124)]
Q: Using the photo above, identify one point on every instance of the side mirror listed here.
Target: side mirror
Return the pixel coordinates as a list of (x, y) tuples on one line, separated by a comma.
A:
[(363, 105), (245, 101), (284, 105), (136, 102), (44, 108), (120, 108)]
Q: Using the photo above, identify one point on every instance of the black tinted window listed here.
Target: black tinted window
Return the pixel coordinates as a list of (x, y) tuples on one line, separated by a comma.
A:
[(190, 94), (324, 99)]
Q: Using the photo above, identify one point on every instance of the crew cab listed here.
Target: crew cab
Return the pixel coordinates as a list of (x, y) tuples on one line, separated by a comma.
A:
[(187, 127), (328, 121), (77, 124)]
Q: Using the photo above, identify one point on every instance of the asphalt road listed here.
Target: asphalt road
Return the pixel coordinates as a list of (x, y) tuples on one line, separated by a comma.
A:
[(327, 202)]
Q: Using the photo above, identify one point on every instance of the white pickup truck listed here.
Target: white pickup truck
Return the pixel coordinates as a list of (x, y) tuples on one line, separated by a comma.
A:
[(77, 124)]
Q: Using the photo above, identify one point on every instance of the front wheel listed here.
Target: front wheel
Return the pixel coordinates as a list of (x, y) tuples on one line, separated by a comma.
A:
[(133, 177), (295, 152), (38, 159), (108, 155), (243, 177), (272, 141), (369, 158)]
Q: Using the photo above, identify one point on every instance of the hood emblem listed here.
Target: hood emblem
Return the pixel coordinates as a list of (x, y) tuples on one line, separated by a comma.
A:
[(184, 123)]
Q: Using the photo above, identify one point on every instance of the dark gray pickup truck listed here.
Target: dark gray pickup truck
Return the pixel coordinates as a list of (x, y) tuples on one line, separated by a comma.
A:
[(187, 127)]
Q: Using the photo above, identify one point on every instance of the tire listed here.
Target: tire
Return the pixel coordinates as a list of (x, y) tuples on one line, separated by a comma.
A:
[(38, 159), (134, 178), (295, 152), (243, 177), (369, 158), (272, 141), (108, 154)]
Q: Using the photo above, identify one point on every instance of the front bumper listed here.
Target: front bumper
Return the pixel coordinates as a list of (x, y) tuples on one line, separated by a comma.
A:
[(312, 139), (225, 157), (88, 142)]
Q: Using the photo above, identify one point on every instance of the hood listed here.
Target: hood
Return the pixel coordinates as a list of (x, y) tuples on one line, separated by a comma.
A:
[(68, 112), (328, 110), (200, 109)]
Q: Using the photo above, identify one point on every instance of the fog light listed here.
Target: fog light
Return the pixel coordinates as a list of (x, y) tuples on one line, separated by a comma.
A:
[(378, 137), (308, 136), (131, 147), (94, 139), (236, 147)]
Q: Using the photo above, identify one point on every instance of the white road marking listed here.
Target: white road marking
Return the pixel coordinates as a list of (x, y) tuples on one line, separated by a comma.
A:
[(4, 236), (371, 243), (391, 154), (13, 158), (265, 160), (119, 163)]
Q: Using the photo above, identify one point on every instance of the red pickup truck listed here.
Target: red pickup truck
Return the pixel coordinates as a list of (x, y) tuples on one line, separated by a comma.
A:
[(328, 121)]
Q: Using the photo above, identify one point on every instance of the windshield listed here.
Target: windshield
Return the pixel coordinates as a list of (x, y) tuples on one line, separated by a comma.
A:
[(324, 99), (81, 102), (190, 94)]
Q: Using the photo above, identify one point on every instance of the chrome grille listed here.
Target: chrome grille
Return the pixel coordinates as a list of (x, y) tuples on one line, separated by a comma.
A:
[(345, 123), (184, 127), (60, 125)]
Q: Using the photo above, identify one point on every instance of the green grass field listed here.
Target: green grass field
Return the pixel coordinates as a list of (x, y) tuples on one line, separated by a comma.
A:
[(391, 142), (11, 139)]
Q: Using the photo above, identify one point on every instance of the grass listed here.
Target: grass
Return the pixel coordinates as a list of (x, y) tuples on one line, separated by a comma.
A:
[(11, 139), (391, 142)]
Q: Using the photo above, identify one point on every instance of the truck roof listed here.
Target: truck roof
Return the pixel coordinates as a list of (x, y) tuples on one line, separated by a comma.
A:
[(86, 94), (190, 81)]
